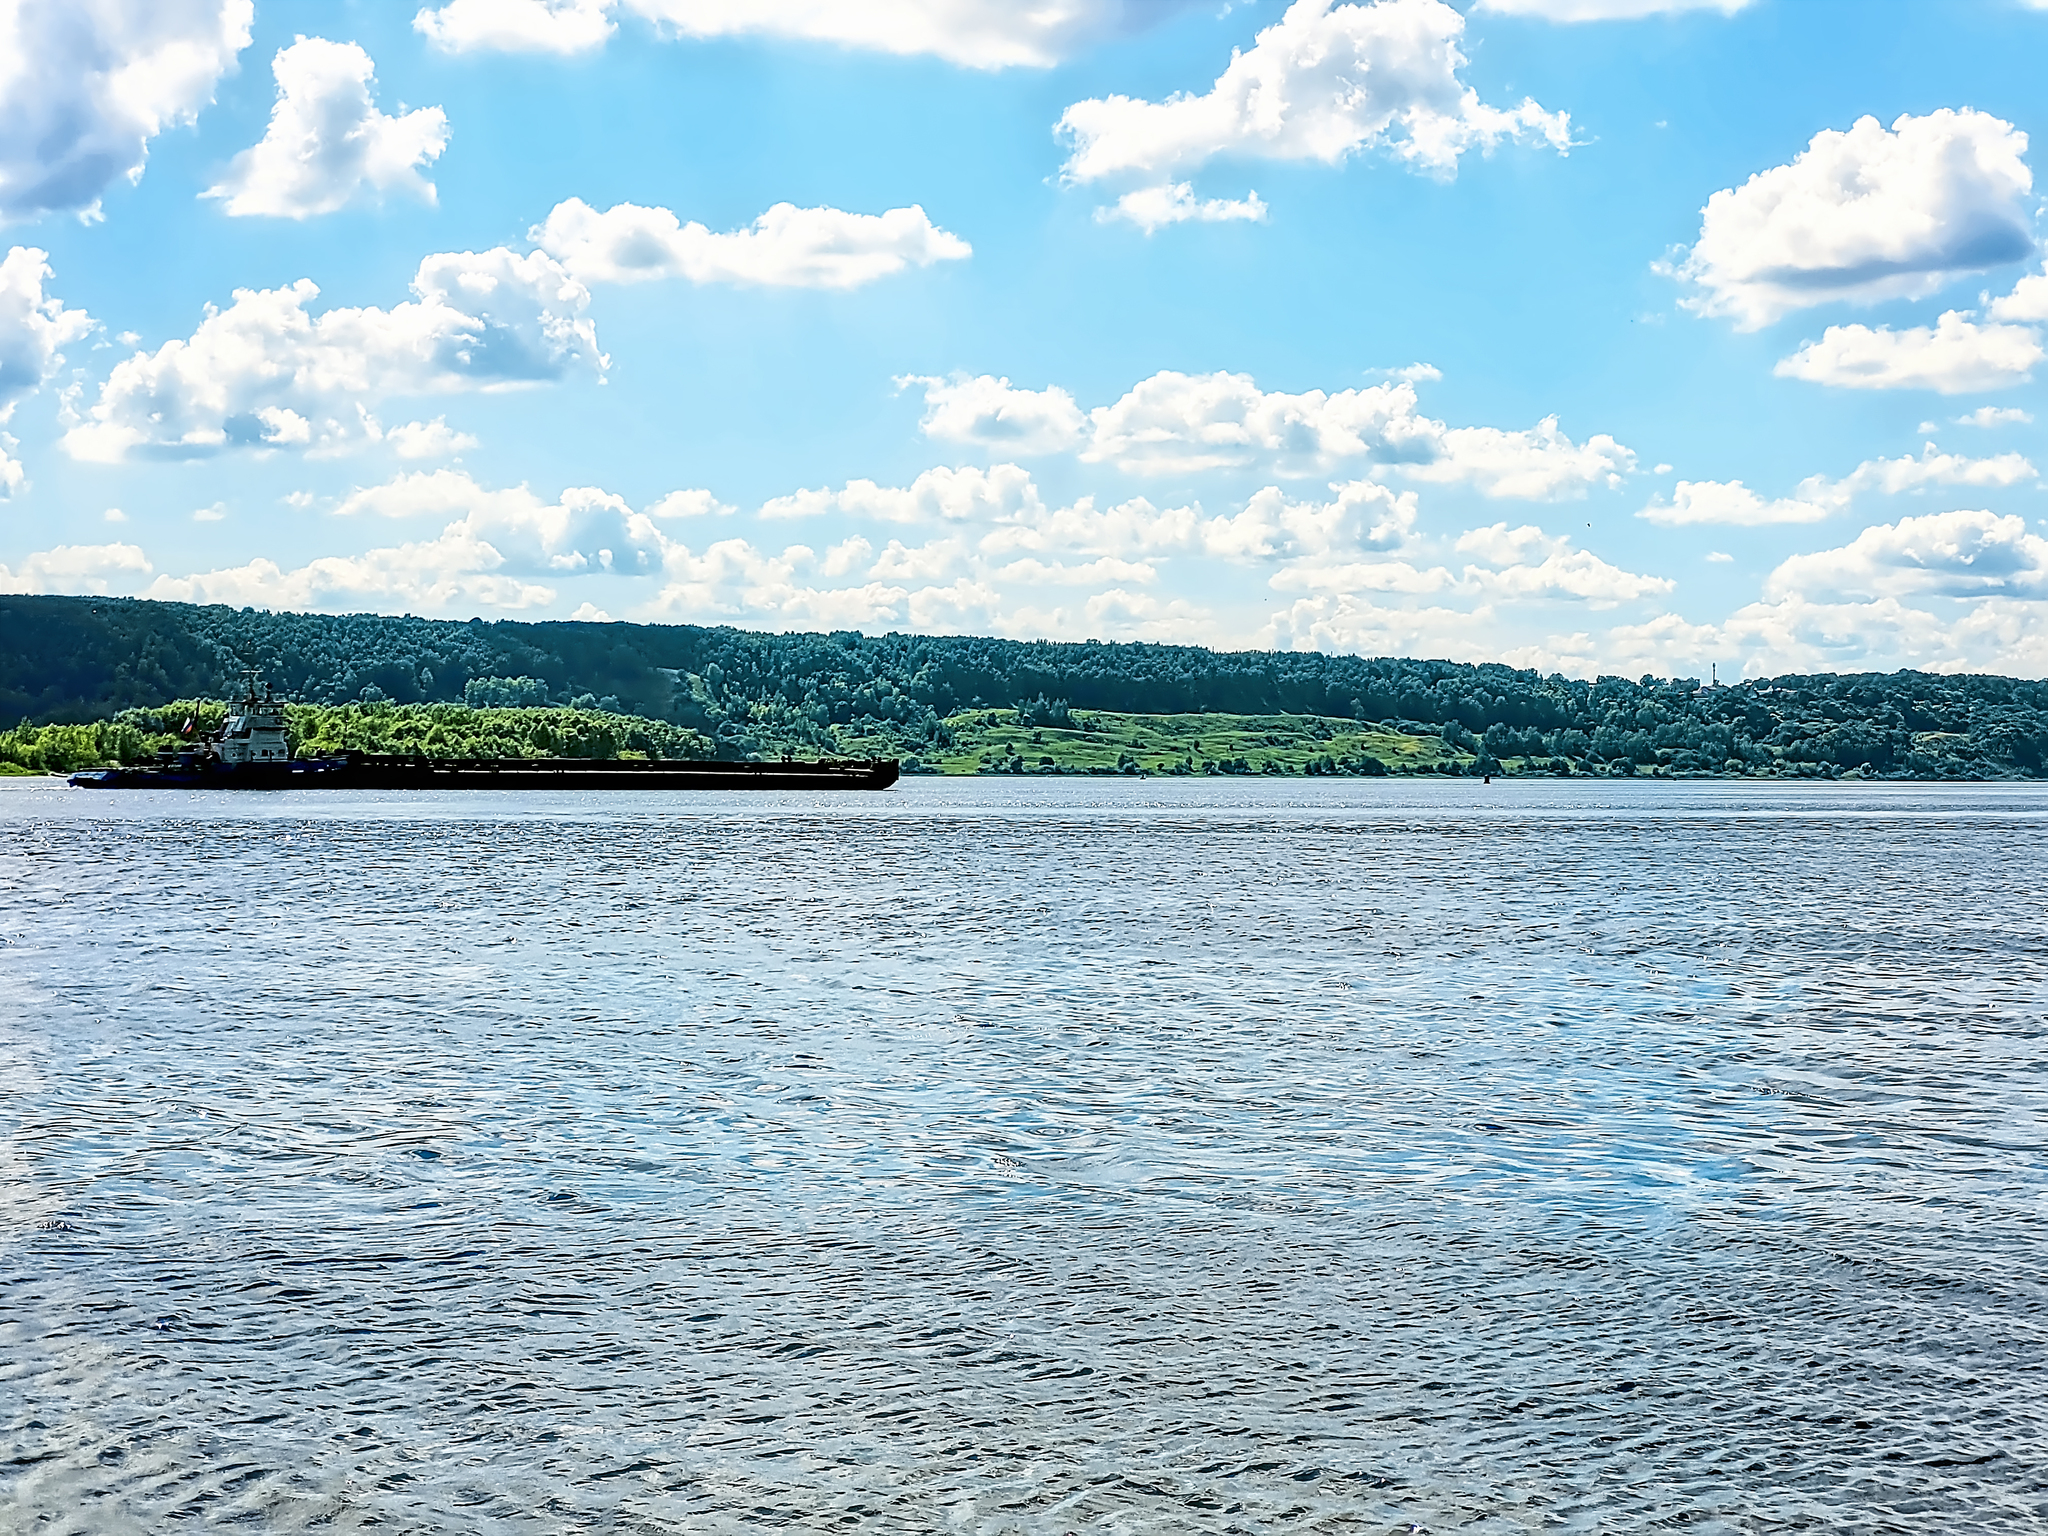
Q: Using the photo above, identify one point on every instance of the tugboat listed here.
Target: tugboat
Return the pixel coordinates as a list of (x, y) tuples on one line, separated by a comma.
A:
[(252, 751)]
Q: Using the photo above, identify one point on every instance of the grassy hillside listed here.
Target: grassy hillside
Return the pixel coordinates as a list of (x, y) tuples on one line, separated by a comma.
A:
[(1098, 741)]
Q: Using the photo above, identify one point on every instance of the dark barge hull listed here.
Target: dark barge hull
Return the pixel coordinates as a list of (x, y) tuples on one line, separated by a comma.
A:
[(373, 771)]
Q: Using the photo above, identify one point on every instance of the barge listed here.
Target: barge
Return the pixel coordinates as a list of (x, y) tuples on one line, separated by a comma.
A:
[(251, 751)]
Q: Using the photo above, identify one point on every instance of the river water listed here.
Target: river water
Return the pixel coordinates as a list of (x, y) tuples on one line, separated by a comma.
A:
[(1026, 1156)]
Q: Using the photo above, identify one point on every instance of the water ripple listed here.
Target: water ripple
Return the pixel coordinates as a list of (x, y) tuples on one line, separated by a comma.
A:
[(1028, 1157)]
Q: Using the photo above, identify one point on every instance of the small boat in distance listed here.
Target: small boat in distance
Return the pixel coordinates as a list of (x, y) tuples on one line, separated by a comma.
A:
[(252, 751)]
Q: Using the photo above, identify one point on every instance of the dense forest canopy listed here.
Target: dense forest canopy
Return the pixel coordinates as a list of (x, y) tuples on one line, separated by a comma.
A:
[(747, 693)]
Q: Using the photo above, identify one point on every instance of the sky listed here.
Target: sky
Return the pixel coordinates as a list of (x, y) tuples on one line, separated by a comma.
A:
[(1594, 336)]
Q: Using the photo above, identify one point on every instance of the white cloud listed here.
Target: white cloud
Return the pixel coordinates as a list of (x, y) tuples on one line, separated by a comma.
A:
[(327, 142), (83, 569), (2028, 300), (1089, 573), (433, 576), (1322, 83), (1607, 10), (86, 84), (786, 247), (1530, 563), (1153, 208), (517, 26), (680, 504), (1002, 491), (267, 372), (731, 579), (1114, 615), (981, 34), (1942, 554), (1893, 477), (33, 325), (1351, 623), (1127, 528), (1362, 516), (1732, 504), (988, 412), (114, 515), (214, 514), (587, 530), (1728, 503), (1995, 416), (1956, 356), (1865, 215), (428, 439), (1539, 464), (500, 551), (1177, 423), (899, 562)]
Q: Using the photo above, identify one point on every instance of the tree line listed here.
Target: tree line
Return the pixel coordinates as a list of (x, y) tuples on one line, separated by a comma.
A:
[(746, 693)]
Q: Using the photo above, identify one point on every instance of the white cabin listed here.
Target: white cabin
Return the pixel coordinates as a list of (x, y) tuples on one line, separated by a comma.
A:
[(254, 732)]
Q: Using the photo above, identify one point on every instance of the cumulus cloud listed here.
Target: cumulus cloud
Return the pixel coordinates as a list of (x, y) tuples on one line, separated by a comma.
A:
[(1175, 423), (1995, 416), (787, 246), (1892, 477), (1153, 208), (1323, 83), (33, 325), (80, 569), (430, 576), (86, 84), (585, 530), (517, 26), (1539, 464), (500, 549), (327, 142), (1608, 10), (1178, 423), (981, 34), (1941, 554), (1361, 516), (428, 439), (1003, 491), (1865, 215), (1526, 562), (1133, 527), (1956, 356), (691, 503), (1115, 615), (269, 372), (731, 579), (1731, 503), (988, 412)]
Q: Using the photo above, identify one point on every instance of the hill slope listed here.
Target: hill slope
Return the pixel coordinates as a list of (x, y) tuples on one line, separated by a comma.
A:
[(79, 659)]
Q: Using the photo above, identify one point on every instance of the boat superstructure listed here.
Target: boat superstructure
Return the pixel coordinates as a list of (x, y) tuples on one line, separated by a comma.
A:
[(254, 732)]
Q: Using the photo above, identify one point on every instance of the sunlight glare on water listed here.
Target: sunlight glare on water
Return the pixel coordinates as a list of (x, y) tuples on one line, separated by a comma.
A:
[(1026, 1155)]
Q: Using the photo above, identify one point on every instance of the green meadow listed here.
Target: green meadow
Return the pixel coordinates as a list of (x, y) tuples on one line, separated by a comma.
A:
[(1100, 741)]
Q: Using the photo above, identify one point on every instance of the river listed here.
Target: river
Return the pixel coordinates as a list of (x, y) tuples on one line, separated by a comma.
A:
[(1040, 1155)]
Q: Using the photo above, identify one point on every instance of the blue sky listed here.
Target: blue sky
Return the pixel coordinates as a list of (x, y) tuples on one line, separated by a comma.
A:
[(1592, 335)]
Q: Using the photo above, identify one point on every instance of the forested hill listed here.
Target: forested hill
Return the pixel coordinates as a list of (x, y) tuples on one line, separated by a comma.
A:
[(78, 659)]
